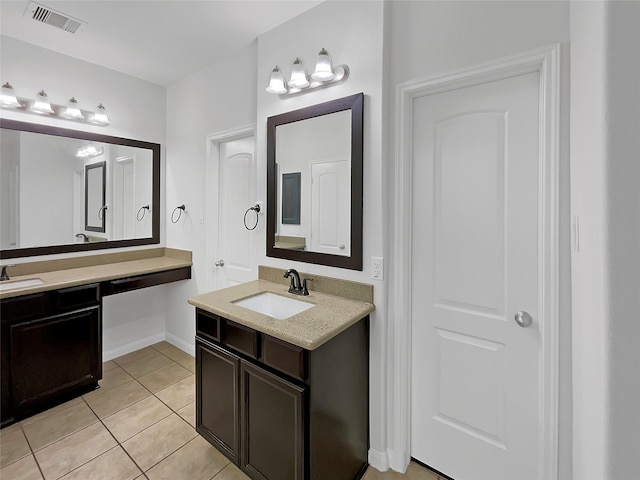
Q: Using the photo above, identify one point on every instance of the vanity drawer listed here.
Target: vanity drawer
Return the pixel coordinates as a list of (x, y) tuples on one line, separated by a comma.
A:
[(25, 307), (146, 280), (208, 325), (74, 298), (240, 338), (283, 356)]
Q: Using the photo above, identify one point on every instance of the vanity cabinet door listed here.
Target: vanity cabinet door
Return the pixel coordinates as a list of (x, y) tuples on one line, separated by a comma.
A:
[(217, 401), (54, 356), (272, 419)]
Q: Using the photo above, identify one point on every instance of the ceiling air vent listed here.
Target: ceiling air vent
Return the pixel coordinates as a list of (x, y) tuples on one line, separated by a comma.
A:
[(46, 15)]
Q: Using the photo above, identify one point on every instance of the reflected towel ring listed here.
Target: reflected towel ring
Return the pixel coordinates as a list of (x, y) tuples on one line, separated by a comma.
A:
[(144, 209), (101, 212), (255, 208), (179, 209)]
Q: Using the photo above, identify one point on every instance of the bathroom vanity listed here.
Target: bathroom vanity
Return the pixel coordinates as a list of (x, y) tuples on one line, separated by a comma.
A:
[(284, 399), (51, 323)]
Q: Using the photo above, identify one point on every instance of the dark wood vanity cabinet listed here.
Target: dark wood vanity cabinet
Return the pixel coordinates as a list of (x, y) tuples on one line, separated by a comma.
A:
[(51, 348), (281, 412), (51, 342)]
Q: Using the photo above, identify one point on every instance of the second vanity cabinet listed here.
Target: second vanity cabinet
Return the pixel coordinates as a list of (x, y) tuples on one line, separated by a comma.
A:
[(278, 411), (51, 342), (51, 348)]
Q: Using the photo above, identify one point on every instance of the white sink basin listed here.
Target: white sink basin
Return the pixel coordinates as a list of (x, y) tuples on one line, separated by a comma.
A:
[(12, 285), (275, 306)]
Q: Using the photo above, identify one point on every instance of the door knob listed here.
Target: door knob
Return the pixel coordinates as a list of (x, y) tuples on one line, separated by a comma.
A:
[(523, 319), (219, 263)]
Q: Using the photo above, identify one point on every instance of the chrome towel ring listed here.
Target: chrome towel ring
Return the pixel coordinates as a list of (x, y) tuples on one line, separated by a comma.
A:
[(179, 209), (255, 208)]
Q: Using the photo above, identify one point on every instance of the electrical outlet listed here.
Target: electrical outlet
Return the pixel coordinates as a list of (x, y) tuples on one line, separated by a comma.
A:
[(377, 268)]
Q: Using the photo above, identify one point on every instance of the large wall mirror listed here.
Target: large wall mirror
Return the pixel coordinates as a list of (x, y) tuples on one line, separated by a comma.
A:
[(69, 191), (314, 184)]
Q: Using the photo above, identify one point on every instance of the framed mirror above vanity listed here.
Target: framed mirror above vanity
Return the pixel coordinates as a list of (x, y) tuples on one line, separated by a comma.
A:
[(314, 183), (66, 191)]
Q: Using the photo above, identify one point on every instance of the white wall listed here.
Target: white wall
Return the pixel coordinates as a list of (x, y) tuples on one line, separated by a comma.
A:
[(137, 110), (605, 186), (218, 98), (430, 38)]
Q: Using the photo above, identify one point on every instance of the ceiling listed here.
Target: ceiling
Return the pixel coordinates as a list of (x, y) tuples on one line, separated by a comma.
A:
[(160, 41)]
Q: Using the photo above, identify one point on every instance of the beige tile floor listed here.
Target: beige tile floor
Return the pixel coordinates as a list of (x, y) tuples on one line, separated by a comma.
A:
[(138, 425)]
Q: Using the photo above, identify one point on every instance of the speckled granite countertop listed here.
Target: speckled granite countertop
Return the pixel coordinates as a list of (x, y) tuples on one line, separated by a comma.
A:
[(309, 329), (121, 266)]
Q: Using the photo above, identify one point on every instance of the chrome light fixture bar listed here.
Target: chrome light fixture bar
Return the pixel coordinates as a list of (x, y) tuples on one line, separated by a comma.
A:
[(40, 105), (324, 75)]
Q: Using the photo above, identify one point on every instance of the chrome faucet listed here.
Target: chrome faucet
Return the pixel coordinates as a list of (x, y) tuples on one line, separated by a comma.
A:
[(296, 287), (85, 239)]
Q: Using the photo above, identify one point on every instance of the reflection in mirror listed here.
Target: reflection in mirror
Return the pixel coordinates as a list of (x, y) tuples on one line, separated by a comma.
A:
[(94, 197), (314, 180), (65, 191)]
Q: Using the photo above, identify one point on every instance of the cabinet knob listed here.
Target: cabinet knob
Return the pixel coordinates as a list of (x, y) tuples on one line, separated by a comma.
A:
[(219, 263)]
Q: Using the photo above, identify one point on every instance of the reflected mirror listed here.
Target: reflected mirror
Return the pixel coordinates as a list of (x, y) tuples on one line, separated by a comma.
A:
[(95, 197), (68, 191), (314, 184)]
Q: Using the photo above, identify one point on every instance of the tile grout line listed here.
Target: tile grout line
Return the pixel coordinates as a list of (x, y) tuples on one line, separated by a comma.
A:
[(118, 444), (33, 454), (160, 400)]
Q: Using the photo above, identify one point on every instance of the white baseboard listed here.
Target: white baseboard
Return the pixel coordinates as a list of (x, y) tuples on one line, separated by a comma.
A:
[(190, 348), (132, 347), (378, 460)]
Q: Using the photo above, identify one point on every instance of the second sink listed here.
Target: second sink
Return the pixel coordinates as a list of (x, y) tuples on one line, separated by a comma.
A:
[(275, 306)]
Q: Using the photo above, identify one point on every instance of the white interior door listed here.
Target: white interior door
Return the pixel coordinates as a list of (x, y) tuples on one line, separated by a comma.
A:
[(331, 207), (475, 380), (235, 257)]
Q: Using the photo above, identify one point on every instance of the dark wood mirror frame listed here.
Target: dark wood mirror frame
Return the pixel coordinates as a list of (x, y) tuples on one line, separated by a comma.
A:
[(81, 247), (355, 104)]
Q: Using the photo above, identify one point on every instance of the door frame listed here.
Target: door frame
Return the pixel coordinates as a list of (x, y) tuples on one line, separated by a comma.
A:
[(545, 61), (211, 201)]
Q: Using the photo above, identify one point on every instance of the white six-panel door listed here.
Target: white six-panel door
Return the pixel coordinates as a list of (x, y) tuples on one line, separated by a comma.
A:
[(476, 399)]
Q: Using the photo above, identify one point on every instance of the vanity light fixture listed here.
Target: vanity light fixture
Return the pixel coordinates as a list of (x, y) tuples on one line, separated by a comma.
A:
[(73, 110), (323, 76), (8, 97), (89, 151), (41, 106)]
